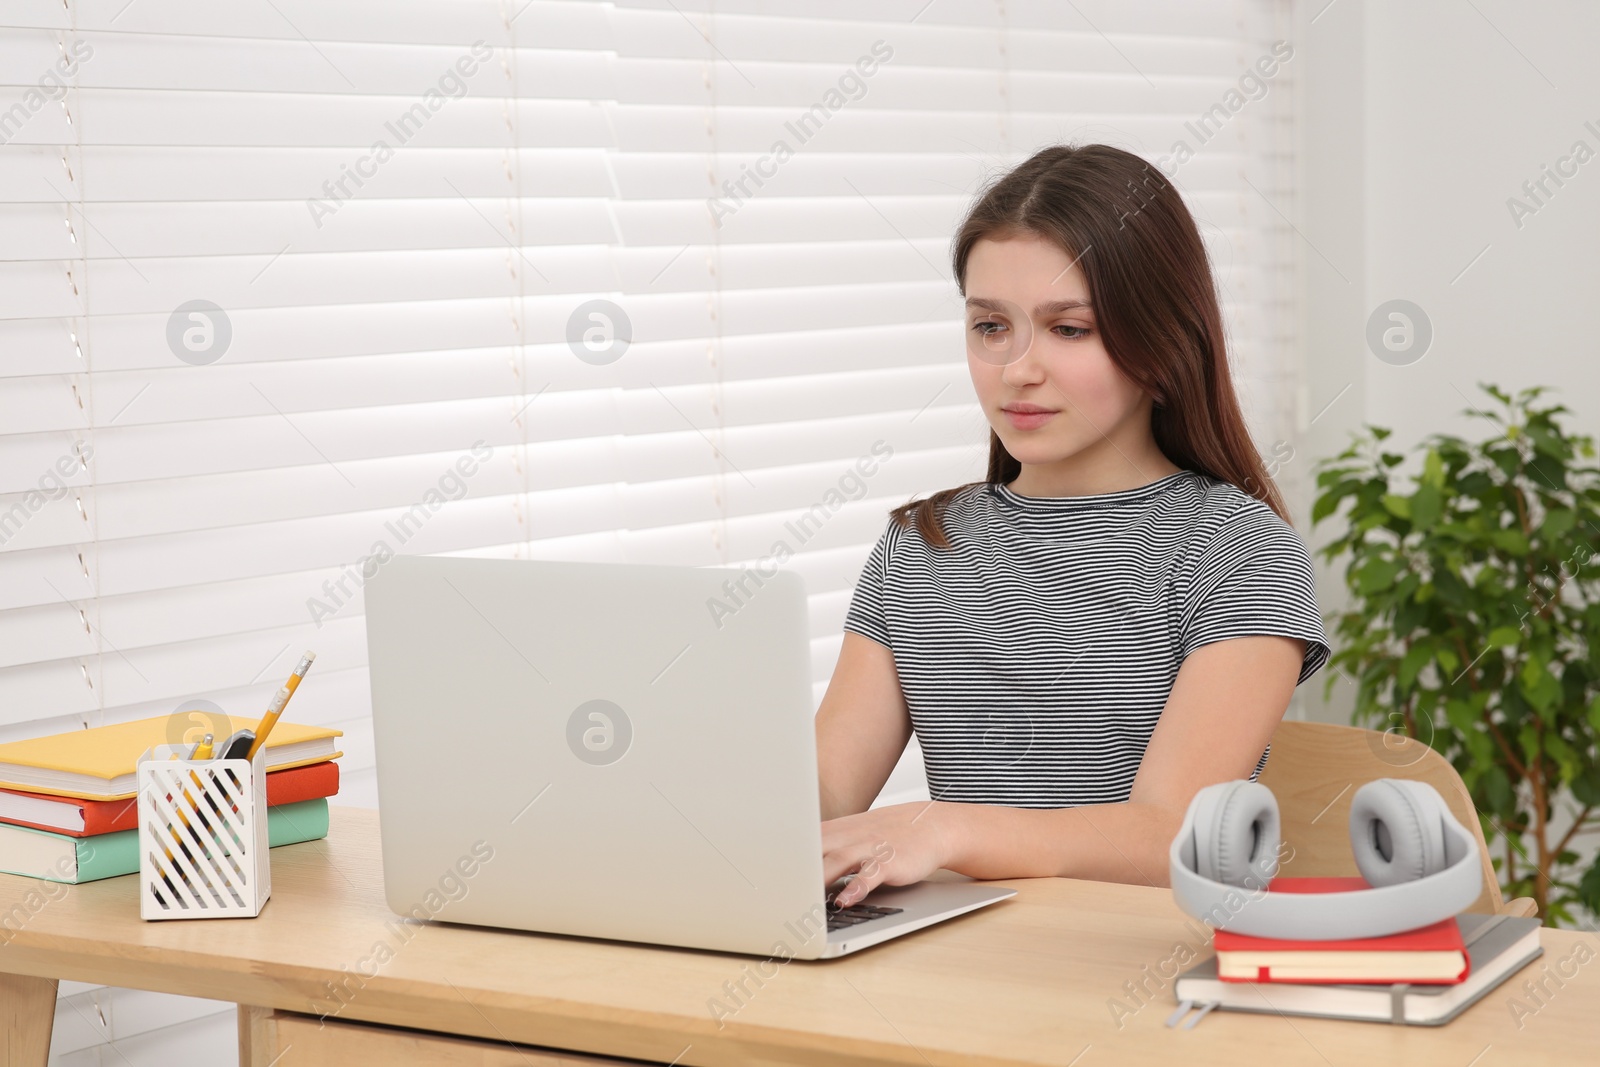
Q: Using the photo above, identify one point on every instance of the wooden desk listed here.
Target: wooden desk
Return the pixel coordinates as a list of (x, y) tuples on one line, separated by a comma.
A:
[(1030, 981)]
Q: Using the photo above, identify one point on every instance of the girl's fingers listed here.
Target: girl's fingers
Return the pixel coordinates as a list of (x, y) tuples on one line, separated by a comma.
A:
[(855, 845), (870, 878), (843, 861)]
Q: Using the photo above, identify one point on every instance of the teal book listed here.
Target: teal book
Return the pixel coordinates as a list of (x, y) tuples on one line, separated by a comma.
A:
[(58, 858)]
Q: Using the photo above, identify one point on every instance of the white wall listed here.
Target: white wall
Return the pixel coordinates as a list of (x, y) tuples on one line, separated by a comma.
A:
[(1332, 129), (1461, 109)]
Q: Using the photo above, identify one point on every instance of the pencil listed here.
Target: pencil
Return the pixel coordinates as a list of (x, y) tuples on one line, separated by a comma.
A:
[(279, 700)]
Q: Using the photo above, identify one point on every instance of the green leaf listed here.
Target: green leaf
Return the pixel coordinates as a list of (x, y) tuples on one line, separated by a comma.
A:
[(1375, 575), (1370, 521), (1541, 688), (1549, 443), (1426, 505), (1418, 657), (1589, 887), (1507, 458), (1528, 742), (1461, 715), (1509, 541), (1504, 636), (1397, 505), (1480, 749), (1498, 787), (1557, 523), (1586, 787), (1548, 473), (1558, 749), (1326, 505), (1433, 469)]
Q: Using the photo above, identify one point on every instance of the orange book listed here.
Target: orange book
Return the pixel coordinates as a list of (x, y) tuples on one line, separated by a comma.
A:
[(90, 818), (1431, 955)]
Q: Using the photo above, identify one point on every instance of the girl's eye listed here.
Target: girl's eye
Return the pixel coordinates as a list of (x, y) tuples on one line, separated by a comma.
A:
[(984, 328), (1077, 332)]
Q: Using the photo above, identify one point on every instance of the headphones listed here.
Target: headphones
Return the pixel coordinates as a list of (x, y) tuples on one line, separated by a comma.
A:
[(1422, 863)]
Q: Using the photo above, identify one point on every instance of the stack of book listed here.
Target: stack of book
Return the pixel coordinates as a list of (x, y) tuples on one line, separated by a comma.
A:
[(68, 810), (1424, 977)]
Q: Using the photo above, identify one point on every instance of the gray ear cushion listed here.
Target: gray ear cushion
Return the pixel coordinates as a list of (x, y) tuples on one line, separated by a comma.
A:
[(1397, 831), (1240, 841)]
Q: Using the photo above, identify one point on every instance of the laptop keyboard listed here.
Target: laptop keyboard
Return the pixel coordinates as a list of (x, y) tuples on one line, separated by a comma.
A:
[(857, 914)]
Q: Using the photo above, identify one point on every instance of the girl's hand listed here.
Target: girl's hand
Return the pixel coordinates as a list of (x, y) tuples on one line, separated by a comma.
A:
[(896, 845)]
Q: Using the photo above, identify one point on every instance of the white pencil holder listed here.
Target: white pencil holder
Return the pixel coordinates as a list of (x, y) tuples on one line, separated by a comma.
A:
[(203, 848)]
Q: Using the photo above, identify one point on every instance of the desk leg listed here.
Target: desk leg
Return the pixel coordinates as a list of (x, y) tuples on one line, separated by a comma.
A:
[(255, 1037), (27, 1011)]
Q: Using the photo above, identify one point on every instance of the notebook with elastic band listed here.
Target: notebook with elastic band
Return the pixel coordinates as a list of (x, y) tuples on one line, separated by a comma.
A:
[(1498, 946)]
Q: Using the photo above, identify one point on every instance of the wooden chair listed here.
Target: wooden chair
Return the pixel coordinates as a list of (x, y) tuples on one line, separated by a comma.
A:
[(1315, 770)]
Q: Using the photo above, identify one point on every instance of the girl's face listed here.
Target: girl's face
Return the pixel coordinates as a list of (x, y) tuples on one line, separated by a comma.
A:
[(1063, 404)]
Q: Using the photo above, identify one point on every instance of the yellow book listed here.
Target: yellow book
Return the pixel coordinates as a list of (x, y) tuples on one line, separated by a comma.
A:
[(100, 763)]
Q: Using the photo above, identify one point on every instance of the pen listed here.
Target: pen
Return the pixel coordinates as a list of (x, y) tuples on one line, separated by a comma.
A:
[(279, 700), (203, 751)]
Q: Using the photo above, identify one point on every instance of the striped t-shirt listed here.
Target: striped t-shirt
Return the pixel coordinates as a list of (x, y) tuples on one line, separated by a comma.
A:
[(1037, 652)]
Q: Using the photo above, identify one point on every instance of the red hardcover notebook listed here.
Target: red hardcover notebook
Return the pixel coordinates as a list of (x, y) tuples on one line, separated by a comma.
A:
[(87, 818), (1430, 955)]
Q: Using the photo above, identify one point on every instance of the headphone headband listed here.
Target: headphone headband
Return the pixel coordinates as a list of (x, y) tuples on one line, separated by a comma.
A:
[(1392, 820)]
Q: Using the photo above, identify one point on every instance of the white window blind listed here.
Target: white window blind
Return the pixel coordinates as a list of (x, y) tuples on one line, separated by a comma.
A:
[(398, 208)]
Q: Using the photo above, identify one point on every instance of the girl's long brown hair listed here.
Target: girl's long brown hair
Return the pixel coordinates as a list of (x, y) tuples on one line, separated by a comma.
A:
[(1154, 303)]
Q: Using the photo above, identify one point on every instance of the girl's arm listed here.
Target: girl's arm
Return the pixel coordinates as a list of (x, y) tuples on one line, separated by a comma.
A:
[(1224, 705), (862, 727)]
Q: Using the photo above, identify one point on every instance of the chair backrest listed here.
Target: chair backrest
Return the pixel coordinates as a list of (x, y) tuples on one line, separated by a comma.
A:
[(1315, 770)]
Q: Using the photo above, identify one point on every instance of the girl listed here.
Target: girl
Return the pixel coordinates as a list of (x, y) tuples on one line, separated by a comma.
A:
[(1119, 613)]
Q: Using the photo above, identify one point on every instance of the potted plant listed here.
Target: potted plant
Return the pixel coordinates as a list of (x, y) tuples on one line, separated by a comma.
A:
[(1473, 587)]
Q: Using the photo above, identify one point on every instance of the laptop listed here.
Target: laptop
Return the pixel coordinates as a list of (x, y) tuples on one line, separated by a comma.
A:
[(614, 751)]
